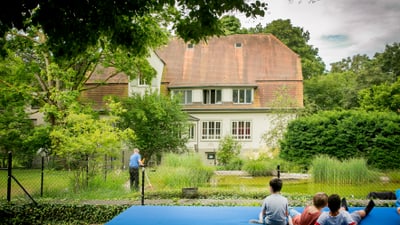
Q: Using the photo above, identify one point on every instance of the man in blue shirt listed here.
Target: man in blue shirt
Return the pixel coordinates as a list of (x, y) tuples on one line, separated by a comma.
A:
[(134, 164)]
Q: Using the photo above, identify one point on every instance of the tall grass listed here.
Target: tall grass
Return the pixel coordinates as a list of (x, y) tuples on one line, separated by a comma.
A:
[(258, 168), (353, 171), (186, 170)]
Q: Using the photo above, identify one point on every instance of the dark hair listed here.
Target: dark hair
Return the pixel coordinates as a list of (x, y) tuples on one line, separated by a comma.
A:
[(320, 200), (275, 184), (334, 203)]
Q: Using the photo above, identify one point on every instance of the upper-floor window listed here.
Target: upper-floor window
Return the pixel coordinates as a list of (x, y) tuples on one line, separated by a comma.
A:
[(186, 96), (241, 130), (242, 96), (212, 96), (141, 81), (211, 130)]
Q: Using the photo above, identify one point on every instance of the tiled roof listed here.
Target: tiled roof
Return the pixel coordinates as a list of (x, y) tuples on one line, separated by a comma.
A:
[(101, 74), (261, 60), (219, 61)]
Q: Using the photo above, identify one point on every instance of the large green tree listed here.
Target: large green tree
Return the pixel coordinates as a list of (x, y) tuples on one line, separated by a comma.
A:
[(74, 26), (158, 121)]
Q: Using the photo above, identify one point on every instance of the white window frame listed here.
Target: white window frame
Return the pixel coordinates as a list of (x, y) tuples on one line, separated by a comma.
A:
[(192, 132), (211, 130), (141, 81), (208, 99), (186, 99), (241, 129), (242, 93)]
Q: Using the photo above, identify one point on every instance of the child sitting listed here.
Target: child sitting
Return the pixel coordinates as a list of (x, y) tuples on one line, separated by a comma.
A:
[(311, 213), (339, 215)]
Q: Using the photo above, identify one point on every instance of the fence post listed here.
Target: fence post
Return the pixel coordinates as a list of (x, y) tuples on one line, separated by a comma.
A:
[(279, 171), (9, 176), (105, 167), (143, 185), (41, 179)]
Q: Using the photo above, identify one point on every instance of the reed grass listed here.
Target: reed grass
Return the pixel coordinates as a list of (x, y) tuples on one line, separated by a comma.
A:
[(353, 171), (185, 170)]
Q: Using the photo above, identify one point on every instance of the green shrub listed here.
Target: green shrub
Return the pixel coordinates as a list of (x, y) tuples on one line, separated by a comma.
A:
[(234, 164), (228, 150), (344, 135), (353, 171), (59, 213)]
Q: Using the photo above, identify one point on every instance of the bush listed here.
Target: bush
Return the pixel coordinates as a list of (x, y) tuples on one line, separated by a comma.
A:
[(344, 135), (59, 213), (228, 150), (353, 171)]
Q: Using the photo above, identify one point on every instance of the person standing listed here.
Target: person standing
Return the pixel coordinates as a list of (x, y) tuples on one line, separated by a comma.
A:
[(134, 163)]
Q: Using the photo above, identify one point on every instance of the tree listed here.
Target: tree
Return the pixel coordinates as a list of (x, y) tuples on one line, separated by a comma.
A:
[(230, 25), (75, 26), (332, 91), (158, 121), (384, 97), (83, 140)]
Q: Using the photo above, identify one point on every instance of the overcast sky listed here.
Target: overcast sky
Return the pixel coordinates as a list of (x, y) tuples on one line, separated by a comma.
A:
[(339, 28)]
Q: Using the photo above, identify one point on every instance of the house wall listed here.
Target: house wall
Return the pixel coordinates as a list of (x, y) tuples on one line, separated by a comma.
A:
[(158, 65), (261, 122)]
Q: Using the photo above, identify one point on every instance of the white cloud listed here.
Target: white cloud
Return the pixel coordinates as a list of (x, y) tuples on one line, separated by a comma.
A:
[(340, 28)]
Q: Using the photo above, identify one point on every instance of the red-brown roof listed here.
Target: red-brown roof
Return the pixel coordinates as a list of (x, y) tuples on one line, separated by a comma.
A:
[(261, 60)]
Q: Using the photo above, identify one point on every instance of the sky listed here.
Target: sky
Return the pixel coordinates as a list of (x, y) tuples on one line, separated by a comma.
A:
[(339, 28)]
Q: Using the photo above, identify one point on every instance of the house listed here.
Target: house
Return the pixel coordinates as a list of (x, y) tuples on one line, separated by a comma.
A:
[(230, 86), (119, 84)]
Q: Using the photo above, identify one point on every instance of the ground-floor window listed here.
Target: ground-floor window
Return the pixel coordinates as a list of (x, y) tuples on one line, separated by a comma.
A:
[(211, 130), (241, 130)]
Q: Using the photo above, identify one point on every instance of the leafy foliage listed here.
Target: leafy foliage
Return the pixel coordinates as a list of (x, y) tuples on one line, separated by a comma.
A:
[(228, 150), (158, 121), (75, 26), (347, 134), (59, 213)]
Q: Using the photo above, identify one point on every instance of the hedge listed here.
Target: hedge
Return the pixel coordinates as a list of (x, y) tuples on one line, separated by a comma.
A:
[(58, 213), (374, 136)]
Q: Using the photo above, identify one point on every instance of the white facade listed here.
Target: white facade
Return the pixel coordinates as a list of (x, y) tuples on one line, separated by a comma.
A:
[(136, 87)]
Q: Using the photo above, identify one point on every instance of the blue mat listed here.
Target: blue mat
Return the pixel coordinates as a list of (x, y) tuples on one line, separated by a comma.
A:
[(204, 215)]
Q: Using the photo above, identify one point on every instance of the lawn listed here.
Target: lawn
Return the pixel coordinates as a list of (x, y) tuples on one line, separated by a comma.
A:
[(58, 185)]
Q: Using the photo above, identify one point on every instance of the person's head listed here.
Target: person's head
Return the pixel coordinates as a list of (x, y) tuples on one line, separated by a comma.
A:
[(334, 203), (320, 200), (136, 150), (275, 185)]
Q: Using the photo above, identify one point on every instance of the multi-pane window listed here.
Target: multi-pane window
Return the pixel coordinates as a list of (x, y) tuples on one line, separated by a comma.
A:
[(242, 96), (191, 133), (241, 130), (211, 130), (141, 81), (212, 96), (186, 96)]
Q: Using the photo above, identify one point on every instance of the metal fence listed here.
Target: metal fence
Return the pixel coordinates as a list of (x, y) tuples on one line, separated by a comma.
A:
[(50, 176)]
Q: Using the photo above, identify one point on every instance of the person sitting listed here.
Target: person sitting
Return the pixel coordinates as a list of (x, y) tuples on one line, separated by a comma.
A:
[(311, 213), (339, 214)]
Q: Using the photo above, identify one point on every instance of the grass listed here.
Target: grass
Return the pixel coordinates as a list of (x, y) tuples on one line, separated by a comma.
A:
[(332, 171), (175, 173)]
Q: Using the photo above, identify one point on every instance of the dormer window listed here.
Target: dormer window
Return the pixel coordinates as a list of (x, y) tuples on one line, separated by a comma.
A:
[(242, 96), (238, 45), (212, 96), (190, 45)]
